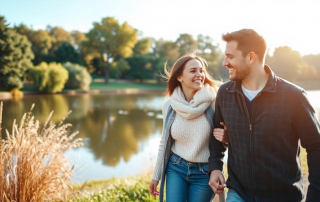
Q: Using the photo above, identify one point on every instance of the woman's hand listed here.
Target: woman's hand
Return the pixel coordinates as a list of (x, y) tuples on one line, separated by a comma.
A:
[(221, 134), (153, 188)]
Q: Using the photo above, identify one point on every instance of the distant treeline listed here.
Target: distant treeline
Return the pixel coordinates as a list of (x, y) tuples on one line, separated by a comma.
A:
[(118, 51)]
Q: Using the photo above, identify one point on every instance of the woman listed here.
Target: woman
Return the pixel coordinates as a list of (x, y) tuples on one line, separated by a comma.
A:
[(188, 124)]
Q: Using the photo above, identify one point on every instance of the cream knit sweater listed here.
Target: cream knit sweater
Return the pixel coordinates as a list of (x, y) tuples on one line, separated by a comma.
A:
[(190, 129)]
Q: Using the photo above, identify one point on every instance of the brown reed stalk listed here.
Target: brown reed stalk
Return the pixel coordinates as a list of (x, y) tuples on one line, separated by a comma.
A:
[(34, 167)]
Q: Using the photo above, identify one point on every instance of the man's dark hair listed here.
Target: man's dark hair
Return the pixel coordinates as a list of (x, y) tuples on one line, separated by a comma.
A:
[(248, 40)]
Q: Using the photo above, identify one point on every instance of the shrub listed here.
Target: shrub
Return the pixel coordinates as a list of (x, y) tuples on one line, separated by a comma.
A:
[(34, 167), (50, 77), (79, 77)]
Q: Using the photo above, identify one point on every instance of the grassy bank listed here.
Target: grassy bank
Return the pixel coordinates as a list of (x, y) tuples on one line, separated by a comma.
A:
[(116, 190)]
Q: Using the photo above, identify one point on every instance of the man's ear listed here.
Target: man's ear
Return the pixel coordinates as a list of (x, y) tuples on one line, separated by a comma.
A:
[(252, 57)]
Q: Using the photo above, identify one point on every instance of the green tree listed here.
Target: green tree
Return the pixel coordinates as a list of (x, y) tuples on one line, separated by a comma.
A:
[(212, 54), (109, 41), (186, 43), (140, 67), (66, 53), (143, 46), (41, 41), (50, 78), (15, 56), (166, 50), (79, 77), (119, 67)]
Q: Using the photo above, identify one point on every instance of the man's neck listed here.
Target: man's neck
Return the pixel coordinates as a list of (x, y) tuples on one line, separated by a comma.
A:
[(256, 80)]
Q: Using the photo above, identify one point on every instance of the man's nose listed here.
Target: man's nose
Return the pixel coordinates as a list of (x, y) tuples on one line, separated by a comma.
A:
[(225, 62)]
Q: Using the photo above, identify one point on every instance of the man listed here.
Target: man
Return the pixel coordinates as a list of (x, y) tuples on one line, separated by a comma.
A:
[(267, 119)]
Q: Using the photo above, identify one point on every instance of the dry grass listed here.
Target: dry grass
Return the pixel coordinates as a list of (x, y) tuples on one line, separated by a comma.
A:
[(34, 167)]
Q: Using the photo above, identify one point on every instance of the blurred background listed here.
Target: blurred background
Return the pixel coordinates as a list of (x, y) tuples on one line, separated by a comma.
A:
[(103, 60)]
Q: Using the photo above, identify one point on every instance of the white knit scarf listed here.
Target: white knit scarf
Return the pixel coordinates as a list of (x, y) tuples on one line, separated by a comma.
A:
[(196, 107)]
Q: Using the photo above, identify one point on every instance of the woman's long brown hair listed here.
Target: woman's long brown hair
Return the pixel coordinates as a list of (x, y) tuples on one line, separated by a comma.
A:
[(171, 74)]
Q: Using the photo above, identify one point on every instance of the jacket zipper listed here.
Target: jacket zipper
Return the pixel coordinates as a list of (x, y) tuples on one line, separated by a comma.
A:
[(251, 141)]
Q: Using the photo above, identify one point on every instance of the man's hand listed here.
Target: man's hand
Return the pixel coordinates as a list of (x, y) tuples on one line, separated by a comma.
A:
[(217, 181), (221, 134), (153, 188)]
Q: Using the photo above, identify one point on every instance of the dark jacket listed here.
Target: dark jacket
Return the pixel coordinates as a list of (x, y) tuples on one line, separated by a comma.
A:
[(264, 150)]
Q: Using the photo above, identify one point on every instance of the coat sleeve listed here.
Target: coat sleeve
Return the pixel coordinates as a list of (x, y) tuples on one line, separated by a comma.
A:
[(216, 148), (157, 172), (307, 128)]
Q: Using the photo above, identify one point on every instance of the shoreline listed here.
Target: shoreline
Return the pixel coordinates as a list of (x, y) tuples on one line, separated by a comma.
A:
[(129, 91)]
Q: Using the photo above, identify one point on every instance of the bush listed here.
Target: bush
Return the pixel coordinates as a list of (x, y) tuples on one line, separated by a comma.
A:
[(50, 78), (79, 77), (33, 165)]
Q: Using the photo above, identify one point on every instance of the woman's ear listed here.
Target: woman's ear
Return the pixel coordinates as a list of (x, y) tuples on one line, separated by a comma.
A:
[(179, 79)]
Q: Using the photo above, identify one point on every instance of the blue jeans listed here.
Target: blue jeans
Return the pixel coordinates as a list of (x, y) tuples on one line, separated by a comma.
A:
[(233, 196), (187, 181)]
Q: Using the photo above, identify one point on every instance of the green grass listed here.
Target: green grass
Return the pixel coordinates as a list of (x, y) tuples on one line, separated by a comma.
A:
[(116, 190)]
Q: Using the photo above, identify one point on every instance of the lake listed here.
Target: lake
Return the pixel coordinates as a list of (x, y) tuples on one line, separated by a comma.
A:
[(121, 133)]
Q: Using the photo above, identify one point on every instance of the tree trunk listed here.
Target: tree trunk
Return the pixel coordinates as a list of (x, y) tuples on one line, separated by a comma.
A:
[(106, 75)]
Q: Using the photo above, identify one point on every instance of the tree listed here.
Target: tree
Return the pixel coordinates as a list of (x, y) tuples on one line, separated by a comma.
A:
[(15, 56), (50, 78), (186, 43), (66, 53), (79, 77), (119, 67), (41, 41), (211, 53), (109, 41), (167, 50), (314, 63), (286, 63), (140, 67), (143, 46)]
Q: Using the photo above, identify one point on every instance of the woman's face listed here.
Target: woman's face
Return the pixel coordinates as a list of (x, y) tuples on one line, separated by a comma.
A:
[(193, 76)]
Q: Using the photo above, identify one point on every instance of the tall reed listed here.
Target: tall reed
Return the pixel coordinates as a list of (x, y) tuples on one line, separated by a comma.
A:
[(33, 165)]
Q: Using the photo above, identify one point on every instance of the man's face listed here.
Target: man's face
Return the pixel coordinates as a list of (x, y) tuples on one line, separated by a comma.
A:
[(235, 62)]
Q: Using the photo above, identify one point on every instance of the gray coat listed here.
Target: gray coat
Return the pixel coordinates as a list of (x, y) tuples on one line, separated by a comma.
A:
[(171, 114)]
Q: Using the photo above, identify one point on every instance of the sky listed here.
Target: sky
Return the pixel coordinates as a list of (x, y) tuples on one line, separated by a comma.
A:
[(293, 23)]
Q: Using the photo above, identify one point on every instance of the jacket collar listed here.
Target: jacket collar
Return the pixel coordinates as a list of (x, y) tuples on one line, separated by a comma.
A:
[(235, 86)]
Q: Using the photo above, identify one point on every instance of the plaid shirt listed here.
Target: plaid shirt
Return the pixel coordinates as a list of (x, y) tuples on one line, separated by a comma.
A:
[(264, 151)]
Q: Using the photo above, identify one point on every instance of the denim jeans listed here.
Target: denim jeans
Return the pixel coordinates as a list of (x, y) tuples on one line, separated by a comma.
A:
[(187, 181), (233, 196)]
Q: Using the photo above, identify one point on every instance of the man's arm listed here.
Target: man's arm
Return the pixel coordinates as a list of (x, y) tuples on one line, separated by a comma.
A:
[(308, 128), (216, 148)]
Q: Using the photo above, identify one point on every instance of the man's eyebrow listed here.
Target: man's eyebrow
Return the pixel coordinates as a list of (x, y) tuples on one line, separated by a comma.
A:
[(229, 54)]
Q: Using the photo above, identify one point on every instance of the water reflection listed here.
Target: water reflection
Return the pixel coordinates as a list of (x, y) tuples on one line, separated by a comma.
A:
[(113, 125)]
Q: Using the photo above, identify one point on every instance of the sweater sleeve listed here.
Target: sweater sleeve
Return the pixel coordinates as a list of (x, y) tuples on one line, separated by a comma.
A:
[(159, 163), (307, 128)]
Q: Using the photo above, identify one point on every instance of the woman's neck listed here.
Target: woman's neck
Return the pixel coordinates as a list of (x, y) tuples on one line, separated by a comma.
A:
[(188, 94)]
